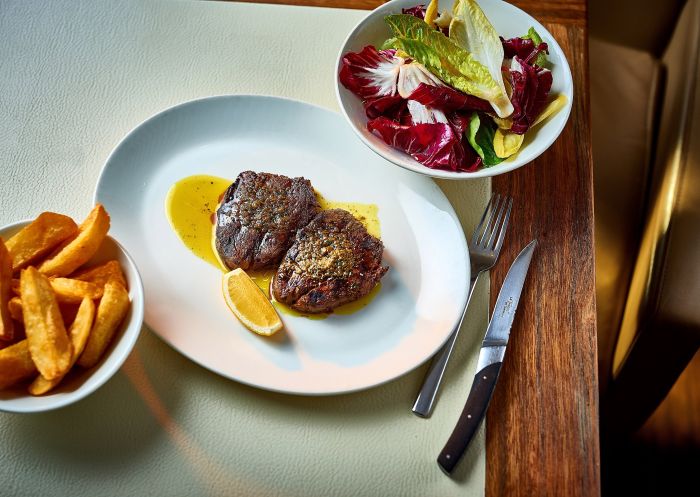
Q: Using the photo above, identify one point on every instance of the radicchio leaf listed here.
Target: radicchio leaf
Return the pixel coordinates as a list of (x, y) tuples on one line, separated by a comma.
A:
[(410, 77), (437, 146), (446, 99), (391, 106), (525, 49), (420, 114), (531, 85), (417, 11), (435, 19), (371, 73)]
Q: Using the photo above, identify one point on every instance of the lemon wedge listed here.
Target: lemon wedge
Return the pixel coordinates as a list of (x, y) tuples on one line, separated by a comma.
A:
[(249, 304)]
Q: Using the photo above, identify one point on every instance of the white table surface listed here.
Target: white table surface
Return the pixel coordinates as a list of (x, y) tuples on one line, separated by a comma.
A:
[(76, 76)]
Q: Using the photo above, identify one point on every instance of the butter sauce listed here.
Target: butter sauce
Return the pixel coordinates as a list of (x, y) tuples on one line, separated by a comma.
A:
[(191, 207)]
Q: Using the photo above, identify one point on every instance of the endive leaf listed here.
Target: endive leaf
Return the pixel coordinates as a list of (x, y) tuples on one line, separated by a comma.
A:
[(472, 31), (431, 13), (551, 108), (506, 144)]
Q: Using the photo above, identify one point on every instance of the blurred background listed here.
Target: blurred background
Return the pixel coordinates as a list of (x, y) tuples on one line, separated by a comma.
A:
[(645, 113)]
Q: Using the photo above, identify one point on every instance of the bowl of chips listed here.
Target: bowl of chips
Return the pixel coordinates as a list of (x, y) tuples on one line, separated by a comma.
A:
[(71, 310)]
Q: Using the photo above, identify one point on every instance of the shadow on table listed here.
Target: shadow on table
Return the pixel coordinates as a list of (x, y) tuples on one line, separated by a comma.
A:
[(157, 394), (113, 423)]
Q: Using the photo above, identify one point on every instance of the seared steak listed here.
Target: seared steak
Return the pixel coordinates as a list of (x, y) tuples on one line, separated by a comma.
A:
[(258, 217), (333, 261)]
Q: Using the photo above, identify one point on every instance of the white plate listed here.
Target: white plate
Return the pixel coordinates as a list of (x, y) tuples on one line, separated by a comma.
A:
[(421, 297), (509, 22)]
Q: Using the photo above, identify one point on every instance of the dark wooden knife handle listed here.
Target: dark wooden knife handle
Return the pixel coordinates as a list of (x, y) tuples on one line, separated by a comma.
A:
[(471, 417)]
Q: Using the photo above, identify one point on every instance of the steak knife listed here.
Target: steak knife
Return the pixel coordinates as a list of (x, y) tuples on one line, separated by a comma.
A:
[(493, 349)]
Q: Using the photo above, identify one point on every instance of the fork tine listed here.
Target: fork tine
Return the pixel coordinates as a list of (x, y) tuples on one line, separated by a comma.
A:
[(477, 230), (489, 227), (504, 226), (496, 223)]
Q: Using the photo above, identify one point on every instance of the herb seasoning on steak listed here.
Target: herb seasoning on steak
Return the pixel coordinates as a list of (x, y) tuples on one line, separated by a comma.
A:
[(333, 261), (259, 216)]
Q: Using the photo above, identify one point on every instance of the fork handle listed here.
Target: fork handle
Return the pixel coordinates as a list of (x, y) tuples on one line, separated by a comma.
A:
[(423, 406)]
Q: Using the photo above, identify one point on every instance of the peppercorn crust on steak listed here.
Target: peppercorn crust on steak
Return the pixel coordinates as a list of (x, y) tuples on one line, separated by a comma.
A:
[(333, 261), (259, 216)]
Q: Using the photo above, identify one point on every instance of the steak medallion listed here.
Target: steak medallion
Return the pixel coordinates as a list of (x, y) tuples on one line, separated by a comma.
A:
[(333, 261)]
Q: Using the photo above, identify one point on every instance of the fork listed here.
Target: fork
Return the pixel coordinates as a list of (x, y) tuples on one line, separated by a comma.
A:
[(484, 249)]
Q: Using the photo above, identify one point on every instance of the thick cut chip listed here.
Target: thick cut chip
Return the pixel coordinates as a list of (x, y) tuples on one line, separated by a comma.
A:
[(100, 275), (110, 313), (49, 344), (15, 308), (73, 291), (79, 250), (15, 364), (39, 238), (68, 311), (79, 333), (7, 327)]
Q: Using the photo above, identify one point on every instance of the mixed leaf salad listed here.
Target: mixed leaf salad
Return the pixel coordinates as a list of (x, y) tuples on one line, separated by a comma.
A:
[(447, 90)]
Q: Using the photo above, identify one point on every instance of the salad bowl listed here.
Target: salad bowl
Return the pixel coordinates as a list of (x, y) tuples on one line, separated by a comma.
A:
[(509, 22)]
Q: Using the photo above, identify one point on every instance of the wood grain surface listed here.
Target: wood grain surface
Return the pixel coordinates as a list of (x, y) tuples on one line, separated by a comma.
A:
[(562, 11), (542, 426)]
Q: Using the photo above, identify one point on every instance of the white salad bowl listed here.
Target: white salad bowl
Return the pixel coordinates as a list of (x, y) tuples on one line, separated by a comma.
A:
[(79, 382), (509, 21)]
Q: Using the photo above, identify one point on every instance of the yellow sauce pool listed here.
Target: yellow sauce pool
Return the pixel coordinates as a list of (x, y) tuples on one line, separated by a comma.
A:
[(367, 214), (191, 207)]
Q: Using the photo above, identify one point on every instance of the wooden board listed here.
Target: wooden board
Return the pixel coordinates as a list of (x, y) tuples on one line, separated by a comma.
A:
[(542, 428)]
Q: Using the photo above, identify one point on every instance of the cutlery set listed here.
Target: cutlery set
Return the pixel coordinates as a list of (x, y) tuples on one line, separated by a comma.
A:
[(484, 250)]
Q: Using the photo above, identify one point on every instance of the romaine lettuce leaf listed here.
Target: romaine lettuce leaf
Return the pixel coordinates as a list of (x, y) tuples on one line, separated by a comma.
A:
[(472, 31), (452, 64), (480, 135)]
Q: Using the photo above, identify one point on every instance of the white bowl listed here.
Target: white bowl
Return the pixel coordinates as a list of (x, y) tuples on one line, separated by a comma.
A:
[(79, 382), (509, 22)]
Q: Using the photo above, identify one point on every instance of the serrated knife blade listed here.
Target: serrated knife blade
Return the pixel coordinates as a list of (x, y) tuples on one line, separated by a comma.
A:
[(493, 349)]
